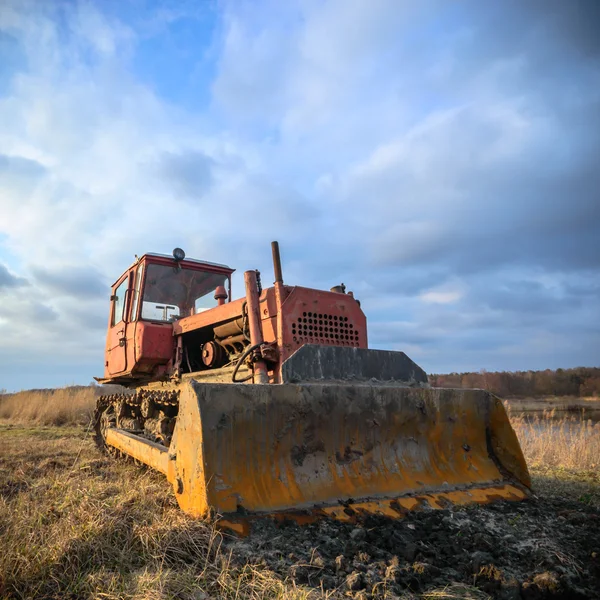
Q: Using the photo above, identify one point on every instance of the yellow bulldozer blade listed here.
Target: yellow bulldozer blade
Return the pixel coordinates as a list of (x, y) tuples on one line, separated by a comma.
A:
[(340, 450)]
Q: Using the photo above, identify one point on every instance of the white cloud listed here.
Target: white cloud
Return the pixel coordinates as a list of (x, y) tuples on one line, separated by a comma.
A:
[(384, 146), (441, 296)]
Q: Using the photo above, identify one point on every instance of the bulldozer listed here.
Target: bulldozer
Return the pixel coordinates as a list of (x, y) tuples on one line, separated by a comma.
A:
[(274, 405)]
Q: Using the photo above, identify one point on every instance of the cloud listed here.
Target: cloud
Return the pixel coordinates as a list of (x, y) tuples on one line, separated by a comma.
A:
[(439, 159), (188, 174), (74, 281), (528, 299), (8, 280), (20, 167), (441, 296), (25, 307)]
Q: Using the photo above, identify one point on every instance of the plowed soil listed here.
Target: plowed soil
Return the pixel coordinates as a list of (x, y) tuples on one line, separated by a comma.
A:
[(543, 548)]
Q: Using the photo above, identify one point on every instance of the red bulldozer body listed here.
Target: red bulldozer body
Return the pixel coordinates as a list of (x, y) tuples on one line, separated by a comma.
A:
[(171, 317)]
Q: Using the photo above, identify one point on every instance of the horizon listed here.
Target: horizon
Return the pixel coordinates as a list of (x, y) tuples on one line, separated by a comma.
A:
[(439, 159), (95, 384)]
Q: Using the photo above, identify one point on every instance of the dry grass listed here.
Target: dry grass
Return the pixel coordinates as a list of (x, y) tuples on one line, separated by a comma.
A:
[(456, 591), (62, 406), (571, 442), (74, 524), (563, 454)]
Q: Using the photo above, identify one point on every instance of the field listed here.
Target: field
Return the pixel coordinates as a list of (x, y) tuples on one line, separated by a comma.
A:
[(75, 524)]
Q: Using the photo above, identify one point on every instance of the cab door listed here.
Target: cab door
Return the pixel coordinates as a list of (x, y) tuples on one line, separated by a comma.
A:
[(135, 299), (117, 333)]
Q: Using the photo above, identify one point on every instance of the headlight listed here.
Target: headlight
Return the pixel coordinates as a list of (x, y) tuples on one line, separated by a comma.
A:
[(178, 254)]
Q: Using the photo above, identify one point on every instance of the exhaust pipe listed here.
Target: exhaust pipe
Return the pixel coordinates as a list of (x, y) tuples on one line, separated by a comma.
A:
[(276, 262), (280, 296)]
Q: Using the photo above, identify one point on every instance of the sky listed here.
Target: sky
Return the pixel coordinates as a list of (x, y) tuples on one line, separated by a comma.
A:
[(440, 158)]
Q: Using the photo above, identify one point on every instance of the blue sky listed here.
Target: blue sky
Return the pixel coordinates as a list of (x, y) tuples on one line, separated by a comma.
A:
[(440, 158)]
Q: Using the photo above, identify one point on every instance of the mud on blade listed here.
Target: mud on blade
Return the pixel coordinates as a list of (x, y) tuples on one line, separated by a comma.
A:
[(339, 450)]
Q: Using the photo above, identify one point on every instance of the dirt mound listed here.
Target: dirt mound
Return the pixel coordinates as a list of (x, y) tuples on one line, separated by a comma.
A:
[(539, 549)]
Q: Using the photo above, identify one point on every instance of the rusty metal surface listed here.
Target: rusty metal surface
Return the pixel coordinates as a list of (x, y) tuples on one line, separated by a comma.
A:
[(395, 508), (153, 343), (326, 318), (290, 317), (131, 350), (287, 316), (254, 325), (276, 262), (212, 354), (151, 454), (116, 354), (324, 450), (268, 449), (187, 263), (210, 317)]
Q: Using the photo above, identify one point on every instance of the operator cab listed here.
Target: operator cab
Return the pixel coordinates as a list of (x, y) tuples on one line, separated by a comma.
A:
[(153, 293)]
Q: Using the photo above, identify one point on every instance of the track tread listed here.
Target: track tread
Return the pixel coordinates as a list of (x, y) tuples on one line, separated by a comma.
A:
[(137, 403)]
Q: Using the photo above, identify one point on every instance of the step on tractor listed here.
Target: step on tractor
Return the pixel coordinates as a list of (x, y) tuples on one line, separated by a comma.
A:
[(274, 405)]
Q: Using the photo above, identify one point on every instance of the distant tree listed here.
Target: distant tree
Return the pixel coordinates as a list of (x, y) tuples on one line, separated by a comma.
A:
[(581, 381)]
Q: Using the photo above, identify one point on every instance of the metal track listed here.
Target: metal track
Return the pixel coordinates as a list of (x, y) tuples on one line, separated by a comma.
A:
[(149, 413)]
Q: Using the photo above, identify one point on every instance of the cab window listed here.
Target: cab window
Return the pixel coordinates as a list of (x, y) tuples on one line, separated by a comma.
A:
[(136, 292), (119, 303), (171, 293)]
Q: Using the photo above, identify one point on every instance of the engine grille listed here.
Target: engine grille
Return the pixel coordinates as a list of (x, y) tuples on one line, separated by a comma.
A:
[(320, 328)]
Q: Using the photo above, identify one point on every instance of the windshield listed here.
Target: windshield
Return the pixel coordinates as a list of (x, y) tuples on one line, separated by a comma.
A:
[(171, 293)]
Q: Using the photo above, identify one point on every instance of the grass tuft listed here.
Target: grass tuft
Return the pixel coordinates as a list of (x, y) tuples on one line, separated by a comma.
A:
[(62, 406), (75, 524), (571, 442), (456, 591)]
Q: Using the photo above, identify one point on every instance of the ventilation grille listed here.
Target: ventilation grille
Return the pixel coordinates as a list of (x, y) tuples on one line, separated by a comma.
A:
[(318, 328)]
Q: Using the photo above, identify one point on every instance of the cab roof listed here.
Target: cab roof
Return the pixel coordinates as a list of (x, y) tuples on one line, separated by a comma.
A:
[(189, 260), (167, 259)]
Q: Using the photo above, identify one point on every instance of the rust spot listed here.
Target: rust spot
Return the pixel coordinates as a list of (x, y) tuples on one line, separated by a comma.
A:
[(299, 453), (348, 456)]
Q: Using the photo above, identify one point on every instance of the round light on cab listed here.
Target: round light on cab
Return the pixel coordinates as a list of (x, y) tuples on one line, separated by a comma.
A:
[(178, 254)]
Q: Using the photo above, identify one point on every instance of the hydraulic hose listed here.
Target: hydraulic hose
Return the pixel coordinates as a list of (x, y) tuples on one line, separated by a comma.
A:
[(242, 358)]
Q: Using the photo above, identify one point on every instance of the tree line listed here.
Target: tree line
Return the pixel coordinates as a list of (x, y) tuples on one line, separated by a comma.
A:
[(580, 382)]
